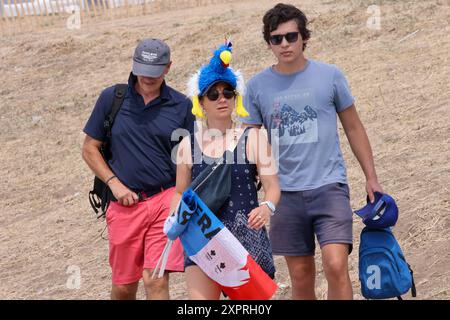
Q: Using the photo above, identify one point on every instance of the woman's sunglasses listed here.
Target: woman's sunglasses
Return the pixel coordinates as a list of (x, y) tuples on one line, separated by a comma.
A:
[(213, 94), (290, 37)]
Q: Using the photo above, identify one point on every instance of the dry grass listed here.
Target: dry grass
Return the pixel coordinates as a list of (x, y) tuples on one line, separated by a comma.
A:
[(52, 78)]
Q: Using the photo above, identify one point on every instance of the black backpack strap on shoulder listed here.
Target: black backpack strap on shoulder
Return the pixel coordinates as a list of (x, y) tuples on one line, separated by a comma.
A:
[(119, 95), (413, 287), (100, 196)]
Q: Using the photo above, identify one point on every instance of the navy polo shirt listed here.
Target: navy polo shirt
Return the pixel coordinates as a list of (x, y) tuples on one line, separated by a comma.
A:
[(141, 142)]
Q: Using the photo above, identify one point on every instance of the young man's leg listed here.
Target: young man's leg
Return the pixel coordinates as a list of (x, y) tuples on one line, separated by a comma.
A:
[(291, 235), (302, 271), (335, 267), (333, 220)]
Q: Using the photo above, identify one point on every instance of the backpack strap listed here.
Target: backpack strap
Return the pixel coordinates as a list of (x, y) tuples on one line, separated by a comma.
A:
[(119, 95), (413, 287), (101, 190)]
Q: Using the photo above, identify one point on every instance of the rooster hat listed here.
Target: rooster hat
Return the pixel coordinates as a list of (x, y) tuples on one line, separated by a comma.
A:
[(218, 70)]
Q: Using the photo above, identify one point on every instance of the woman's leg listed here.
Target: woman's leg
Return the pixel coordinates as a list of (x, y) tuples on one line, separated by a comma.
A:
[(200, 286)]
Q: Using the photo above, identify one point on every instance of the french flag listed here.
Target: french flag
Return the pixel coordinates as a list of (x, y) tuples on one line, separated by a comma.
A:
[(217, 252)]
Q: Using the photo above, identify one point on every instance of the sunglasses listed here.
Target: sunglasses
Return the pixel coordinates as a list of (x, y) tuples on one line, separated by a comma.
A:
[(290, 37), (213, 94)]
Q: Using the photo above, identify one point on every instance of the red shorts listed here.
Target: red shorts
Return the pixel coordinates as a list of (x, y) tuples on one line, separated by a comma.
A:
[(136, 238)]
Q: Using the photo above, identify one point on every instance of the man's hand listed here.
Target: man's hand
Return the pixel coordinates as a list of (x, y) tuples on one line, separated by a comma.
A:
[(258, 217), (124, 196)]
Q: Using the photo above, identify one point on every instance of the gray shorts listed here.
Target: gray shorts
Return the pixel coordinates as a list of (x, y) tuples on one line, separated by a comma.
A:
[(324, 212)]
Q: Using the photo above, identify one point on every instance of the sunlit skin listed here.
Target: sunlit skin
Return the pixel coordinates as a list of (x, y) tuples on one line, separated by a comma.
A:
[(289, 55), (218, 110)]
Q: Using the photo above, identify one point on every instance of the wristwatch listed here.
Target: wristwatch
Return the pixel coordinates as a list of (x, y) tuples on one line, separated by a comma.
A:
[(270, 205)]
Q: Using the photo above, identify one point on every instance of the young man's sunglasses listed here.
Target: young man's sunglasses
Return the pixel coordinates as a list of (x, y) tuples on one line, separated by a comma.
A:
[(213, 94), (290, 37)]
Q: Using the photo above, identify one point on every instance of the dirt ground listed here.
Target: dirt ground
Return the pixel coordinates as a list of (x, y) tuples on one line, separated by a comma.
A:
[(50, 80)]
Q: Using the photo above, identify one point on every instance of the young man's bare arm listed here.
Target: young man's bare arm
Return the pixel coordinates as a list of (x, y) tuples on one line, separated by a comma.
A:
[(360, 145)]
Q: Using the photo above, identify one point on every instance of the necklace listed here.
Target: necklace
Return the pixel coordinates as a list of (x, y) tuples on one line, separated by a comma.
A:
[(214, 132)]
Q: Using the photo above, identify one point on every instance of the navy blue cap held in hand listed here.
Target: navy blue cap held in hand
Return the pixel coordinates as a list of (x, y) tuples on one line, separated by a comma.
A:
[(382, 213)]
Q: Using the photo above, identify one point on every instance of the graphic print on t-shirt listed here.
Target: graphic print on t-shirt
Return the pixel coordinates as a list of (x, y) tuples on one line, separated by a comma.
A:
[(295, 118)]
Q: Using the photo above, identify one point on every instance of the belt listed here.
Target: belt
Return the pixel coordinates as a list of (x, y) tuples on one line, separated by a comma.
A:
[(145, 194)]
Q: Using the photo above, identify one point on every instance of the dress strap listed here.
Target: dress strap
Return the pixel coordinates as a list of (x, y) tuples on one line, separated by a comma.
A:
[(240, 152), (196, 151)]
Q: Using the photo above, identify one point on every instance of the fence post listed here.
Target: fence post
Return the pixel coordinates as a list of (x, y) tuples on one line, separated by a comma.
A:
[(59, 7), (16, 8), (27, 17), (22, 9), (11, 14), (36, 16), (2, 16), (86, 8), (94, 6), (82, 13), (46, 11), (104, 6)]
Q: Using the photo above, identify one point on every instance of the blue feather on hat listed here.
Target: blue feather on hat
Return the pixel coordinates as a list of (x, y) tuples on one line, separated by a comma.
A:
[(217, 70)]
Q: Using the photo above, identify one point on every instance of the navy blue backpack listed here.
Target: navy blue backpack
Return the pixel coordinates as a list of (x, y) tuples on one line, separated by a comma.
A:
[(383, 270)]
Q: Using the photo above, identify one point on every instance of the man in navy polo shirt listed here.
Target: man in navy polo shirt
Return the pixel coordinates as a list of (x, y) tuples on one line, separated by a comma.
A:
[(141, 173)]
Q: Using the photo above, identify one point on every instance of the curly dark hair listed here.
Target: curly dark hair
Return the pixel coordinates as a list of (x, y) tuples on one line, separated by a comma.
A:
[(282, 13)]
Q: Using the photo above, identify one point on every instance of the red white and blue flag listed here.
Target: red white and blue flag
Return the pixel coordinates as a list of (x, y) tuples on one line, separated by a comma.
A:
[(216, 251)]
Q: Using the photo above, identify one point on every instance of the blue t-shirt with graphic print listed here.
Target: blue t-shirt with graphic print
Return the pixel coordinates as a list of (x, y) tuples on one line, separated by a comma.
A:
[(299, 111)]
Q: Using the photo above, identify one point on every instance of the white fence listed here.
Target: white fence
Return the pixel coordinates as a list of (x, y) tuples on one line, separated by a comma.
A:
[(17, 8), (17, 16)]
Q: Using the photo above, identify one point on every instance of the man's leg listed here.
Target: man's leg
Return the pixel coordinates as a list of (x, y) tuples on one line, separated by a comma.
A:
[(155, 242), (158, 288), (335, 266), (125, 234), (124, 292), (302, 271)]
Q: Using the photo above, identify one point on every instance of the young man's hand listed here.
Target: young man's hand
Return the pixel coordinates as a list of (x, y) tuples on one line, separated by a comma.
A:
[(371, 187)]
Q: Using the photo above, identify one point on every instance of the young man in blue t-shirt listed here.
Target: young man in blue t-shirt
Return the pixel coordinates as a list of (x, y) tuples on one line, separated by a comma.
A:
[(298, 101), (141, 173)]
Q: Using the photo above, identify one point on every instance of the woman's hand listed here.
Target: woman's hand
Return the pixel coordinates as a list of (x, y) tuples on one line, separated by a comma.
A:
[(258, 217)]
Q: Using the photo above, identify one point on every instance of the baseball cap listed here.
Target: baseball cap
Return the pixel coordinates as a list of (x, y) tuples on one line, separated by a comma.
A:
[(150, 58), (382, 213)]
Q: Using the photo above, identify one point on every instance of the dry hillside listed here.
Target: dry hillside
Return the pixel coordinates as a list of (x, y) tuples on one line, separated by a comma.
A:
[(51, 78)]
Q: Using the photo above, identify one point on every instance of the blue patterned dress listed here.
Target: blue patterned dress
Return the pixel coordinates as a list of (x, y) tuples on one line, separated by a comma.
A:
[(243, 199)]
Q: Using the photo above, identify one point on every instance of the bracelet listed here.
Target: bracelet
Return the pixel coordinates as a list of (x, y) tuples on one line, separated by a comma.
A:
[(109, 179), (270, 205)]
